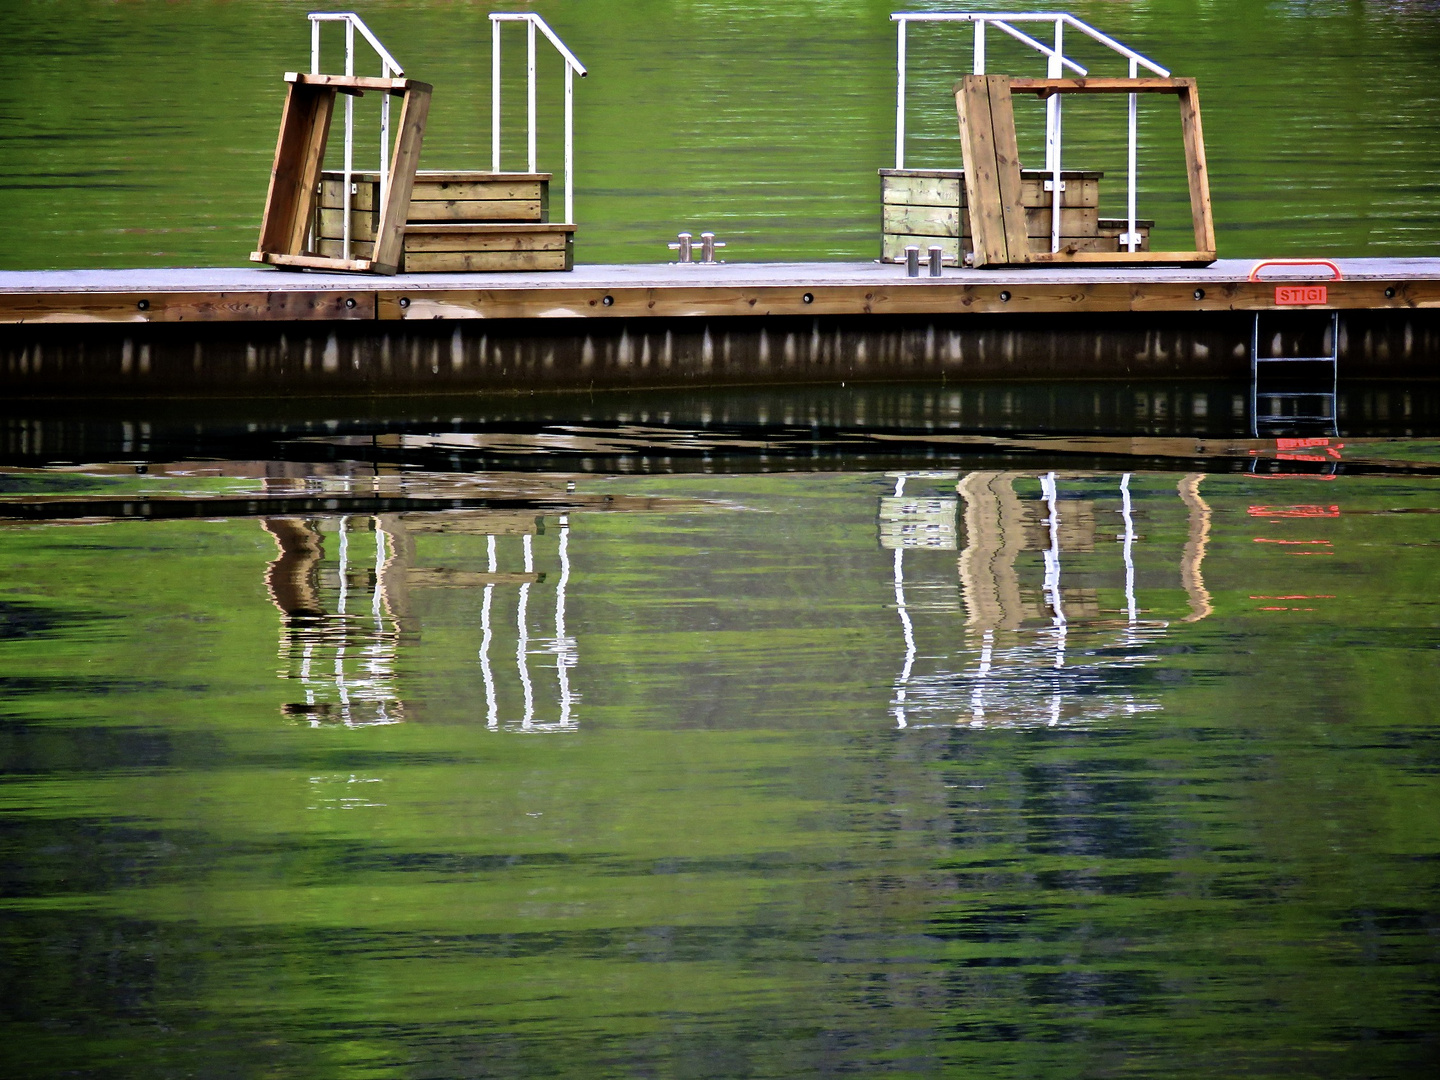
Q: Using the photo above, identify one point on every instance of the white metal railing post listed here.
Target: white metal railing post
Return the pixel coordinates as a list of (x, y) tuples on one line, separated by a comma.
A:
[(900, 97), (569, 145), (1052, 124), (573, 67), (979, 46), (1134, 166), (389, 69), (349, 133), (494, 95), (530, 87)]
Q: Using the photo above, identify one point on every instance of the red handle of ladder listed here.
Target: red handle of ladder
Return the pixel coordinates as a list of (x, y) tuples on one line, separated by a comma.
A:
[(1255, 271)]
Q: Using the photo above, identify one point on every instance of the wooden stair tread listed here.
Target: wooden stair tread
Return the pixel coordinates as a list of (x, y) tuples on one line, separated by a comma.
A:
[(443, 228)]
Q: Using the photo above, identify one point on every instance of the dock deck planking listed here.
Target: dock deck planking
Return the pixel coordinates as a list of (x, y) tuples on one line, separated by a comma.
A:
[(258, 294)]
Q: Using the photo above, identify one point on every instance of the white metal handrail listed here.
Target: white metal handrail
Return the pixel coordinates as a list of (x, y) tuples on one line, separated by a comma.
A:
[(1056, 63), (389, 68), (572, 68)]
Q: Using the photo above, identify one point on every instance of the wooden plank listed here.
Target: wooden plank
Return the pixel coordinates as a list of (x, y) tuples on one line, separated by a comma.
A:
[(446, 228), (290, 298), (334, 248), (313, 262), (921, 220), (1080, 193), (1112, 236), (922, 190), (410, 135), (364, 224), (475, 241), (480, 190), (1092, 242), (1007, 166), (348, 84), (531, 210), (1164, 258), (898, 190), (1074, 221), (443, 176), (1025, 174), (299, 152), (982, 185), (487, 261), (279, 305), (1049, 87), (1196, 171), (364, 196)]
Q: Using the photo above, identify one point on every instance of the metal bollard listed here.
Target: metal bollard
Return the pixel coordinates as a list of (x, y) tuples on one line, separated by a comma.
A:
[(683, 247), (708, 246), (912, 261), (937, 259)]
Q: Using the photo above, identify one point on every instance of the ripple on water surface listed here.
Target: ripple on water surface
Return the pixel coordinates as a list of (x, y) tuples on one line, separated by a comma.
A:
[(949, 765)]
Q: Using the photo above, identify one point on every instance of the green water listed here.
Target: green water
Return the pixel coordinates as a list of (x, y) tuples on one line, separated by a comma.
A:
[(937, 767), (142, 133)]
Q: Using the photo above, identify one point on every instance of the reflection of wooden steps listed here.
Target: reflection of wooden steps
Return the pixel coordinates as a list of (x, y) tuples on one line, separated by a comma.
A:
[(458, 221)]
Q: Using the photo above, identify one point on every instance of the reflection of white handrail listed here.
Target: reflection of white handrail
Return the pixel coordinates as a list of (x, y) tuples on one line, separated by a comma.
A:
[(389, 67), (492, 707), (1131, 610), (1057, 61), (573, 67), (562, 643), (907, 628), (522, 635)]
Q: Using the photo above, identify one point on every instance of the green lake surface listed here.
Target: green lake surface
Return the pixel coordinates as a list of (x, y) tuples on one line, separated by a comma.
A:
[(1010, 731), (141, 133), (678, 736)]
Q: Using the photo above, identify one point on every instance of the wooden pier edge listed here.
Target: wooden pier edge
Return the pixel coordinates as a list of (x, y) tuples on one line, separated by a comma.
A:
[(392, 300)]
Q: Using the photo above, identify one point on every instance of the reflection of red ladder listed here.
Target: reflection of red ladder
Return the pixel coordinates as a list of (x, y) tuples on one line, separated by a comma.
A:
[(1311, 406)]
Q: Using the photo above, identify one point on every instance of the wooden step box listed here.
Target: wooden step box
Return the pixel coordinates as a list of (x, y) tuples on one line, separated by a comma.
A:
[(458, 221), (925, 207)]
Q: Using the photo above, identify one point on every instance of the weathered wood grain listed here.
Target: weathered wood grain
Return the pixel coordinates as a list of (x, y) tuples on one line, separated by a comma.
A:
[(982, 183), (488, 261), (531, 210), (489, 237), (364, 224), (410, 135)]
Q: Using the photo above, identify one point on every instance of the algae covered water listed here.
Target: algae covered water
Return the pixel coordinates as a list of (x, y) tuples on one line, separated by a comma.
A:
[(649, 740)]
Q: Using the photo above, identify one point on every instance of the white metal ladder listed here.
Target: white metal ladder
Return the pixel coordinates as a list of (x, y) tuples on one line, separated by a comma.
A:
[(1324, 401)]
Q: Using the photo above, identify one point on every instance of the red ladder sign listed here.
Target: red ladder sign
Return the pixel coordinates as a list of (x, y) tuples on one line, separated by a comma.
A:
[(1299, 295)]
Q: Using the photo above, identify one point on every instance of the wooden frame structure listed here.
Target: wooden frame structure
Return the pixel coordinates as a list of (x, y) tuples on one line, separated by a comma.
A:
[(300, 156), (992, 169)]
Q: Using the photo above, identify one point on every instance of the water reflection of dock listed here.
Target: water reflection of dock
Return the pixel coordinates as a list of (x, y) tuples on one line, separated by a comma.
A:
[(346, 618), (1038, 644)]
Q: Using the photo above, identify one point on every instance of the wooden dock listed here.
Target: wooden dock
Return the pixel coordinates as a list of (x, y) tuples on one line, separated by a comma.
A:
[(261, 331), (689, 291)]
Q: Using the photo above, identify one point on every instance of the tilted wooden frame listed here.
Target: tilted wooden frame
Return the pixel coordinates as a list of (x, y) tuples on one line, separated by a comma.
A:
[(300, 156), (992, 169)]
